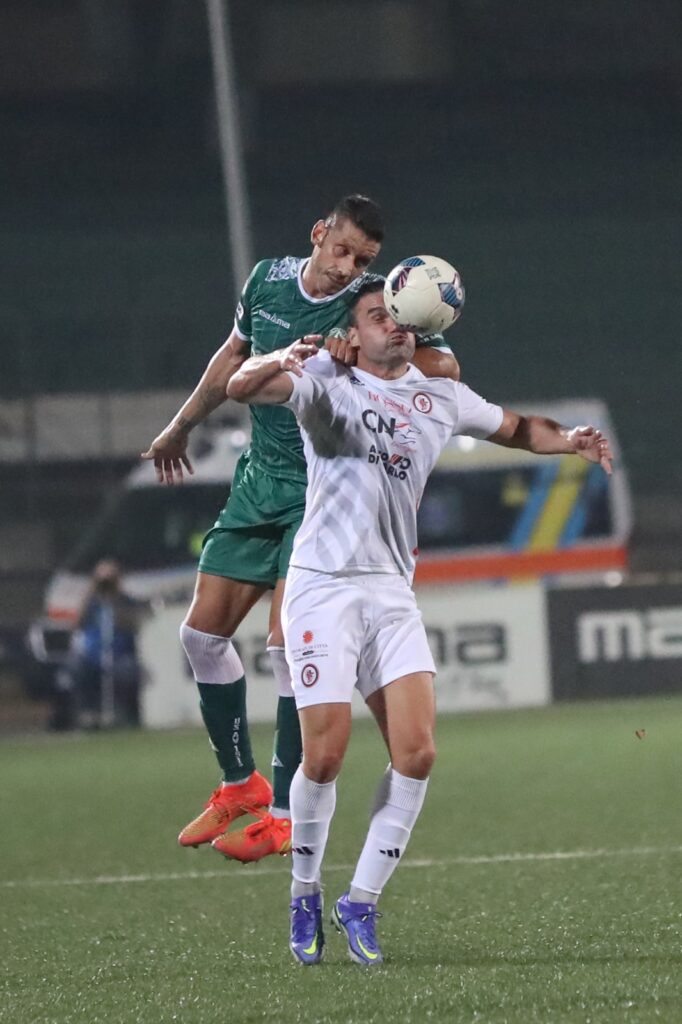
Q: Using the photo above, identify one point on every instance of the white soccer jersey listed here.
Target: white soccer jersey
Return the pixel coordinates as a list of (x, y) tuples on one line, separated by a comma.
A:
[(370, 445)]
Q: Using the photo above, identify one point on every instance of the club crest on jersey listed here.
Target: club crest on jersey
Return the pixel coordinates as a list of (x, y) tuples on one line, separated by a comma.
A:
[(309, 675), (422, 403)]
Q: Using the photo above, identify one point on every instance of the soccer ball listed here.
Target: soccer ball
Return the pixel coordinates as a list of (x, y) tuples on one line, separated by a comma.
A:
[(424, 293)]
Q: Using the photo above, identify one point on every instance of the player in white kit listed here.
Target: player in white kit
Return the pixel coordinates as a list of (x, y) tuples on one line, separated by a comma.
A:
[(372, 433)]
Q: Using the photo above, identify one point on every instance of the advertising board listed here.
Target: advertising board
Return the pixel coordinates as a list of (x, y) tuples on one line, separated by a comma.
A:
[(612, 642), (489, 644)]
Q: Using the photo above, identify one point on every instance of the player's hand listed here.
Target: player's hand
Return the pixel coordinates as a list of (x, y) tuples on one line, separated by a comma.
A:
[(169, 454), (292, 358), (591, 445), (341, 349)]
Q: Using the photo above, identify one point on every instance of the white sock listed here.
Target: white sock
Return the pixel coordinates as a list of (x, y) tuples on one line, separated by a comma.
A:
[(280, 670), (397, 805), (213, 658), (312, 809)]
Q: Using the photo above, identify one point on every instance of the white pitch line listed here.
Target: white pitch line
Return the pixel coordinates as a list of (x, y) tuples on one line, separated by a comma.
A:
[(255, 874)]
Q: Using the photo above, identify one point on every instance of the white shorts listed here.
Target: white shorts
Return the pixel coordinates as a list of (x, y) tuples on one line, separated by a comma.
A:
[(350, 631)]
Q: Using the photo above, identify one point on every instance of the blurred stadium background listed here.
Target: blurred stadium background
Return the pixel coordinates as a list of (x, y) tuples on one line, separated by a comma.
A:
[(537, 146)]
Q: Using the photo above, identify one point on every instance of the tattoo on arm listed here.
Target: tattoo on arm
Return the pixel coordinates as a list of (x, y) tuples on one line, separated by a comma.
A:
[(210, 398), (182, 426)]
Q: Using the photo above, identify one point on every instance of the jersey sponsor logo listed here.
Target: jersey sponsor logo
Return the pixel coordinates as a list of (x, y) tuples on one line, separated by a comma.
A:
[(396, 465), (309, 674), (422, 403), (308, 636), (406, 435), (403, 433), (271, 318), (375, 422), (392, 404)]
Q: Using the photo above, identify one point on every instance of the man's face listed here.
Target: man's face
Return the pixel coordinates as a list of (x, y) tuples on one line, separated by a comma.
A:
[(341, 253), (379, 339)]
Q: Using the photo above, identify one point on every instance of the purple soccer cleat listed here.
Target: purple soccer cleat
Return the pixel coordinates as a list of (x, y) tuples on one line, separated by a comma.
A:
[(357, 921), (307, 938)]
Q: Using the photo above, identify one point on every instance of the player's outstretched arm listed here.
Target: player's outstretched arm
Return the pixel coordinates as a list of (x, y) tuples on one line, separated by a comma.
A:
[(547, 437), (264, 380), (169, 450), (434, 363)]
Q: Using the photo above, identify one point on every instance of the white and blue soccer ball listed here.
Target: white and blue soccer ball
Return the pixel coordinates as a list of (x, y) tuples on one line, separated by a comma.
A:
[(424, 293)]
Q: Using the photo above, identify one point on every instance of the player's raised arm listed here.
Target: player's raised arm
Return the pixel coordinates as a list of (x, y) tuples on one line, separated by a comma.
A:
[(547, 437), (169, 450), (264, 380)]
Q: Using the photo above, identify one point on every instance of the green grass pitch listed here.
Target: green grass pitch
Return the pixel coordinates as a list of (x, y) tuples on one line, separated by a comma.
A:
[(542, 883)]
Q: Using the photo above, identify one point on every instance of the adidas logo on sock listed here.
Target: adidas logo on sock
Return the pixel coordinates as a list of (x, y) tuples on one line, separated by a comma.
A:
[(394, 853), (305, 851)]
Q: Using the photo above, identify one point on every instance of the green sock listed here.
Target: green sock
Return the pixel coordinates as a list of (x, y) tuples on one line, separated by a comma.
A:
[(223, 709), (287, 753)]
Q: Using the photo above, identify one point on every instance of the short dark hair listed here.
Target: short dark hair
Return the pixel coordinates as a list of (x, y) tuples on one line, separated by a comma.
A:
[(362, 212), (369, 287)]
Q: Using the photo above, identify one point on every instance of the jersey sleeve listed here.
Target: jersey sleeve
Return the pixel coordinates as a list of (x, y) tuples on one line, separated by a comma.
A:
[(476, 417), (436, 341), (242, 316), (320, 373)]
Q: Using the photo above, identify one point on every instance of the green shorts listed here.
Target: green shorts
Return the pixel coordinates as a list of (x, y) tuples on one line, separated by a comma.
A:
[(254, 534)]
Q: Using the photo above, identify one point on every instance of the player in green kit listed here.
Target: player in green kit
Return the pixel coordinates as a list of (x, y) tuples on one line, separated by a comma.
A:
[(247, 551)]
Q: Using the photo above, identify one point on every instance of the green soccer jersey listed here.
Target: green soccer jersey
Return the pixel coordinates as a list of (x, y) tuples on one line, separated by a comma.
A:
[(275, 310)]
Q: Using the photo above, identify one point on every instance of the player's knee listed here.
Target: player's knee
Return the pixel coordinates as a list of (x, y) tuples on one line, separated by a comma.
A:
[(417, 762), (322, 766), (213, 659)]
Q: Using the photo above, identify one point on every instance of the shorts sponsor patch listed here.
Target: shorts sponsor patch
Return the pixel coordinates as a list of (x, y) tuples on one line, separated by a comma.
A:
[(311, 649)]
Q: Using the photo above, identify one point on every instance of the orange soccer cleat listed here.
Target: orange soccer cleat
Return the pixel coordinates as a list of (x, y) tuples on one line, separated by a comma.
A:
[(227, 803), (262, 838)]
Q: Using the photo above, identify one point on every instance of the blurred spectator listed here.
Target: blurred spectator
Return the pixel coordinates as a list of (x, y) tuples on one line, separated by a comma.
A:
[(105, 666)]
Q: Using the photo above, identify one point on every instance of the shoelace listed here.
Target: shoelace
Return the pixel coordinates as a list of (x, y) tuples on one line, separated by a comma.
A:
[(266, 821), (302, 919), (369, 919)]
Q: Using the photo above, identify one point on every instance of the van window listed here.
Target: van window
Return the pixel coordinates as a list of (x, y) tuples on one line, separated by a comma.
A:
[(483, 507), (153, 527)]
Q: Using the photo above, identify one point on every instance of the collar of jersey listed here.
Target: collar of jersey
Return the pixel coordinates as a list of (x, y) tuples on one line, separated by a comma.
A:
[(325, 298), (407, 377)]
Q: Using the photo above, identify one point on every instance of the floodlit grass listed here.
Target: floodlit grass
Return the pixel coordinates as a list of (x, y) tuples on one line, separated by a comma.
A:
[(471, 935)]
